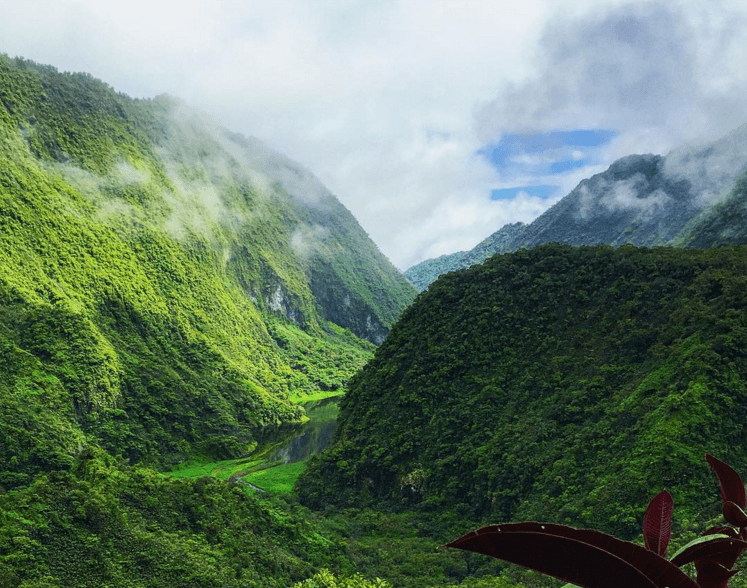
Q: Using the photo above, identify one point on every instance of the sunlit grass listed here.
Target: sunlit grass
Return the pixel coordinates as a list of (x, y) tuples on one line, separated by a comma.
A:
[(279, 479), (321, 395), (258, 469)]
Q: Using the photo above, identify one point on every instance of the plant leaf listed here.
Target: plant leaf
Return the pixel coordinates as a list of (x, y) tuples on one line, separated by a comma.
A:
[(582, 557), (719, 548), (731, 485), (728, 531), (711, 574), (657, 523), (734, 515)]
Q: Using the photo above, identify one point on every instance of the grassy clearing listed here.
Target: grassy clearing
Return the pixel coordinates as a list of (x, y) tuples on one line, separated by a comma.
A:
[(302, 399), (279, 479), (259, 469), (216, 469), (275, 479)]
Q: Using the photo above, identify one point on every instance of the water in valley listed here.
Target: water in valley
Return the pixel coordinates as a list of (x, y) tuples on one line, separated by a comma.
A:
[(313, 436)]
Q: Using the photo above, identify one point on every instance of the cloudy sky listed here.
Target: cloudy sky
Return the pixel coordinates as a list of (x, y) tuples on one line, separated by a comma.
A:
[(434, 121)]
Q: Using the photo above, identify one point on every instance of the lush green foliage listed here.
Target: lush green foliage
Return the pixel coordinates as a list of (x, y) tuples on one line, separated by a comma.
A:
[(103, 525), (406, 549), (325, 579), (170, 292), (555, 384), (158, 292)]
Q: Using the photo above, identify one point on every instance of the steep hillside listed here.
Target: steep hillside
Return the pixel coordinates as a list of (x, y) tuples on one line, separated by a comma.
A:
[(643, 200), (559, 384), (148, 259), (633, 201), (502, 241), (723, 223)]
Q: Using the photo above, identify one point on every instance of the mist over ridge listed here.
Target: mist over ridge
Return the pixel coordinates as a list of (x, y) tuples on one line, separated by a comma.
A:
[(640, 199), (153, 265)]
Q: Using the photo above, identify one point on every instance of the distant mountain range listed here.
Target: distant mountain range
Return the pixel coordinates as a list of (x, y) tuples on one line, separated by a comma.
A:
[(688, 198)]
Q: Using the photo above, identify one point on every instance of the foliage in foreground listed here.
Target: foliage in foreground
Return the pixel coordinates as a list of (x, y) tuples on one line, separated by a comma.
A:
[(101, 525), (325, 579), (596, 560)]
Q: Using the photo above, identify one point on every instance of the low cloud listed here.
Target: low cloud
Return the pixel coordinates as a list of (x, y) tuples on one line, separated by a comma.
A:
[(378, 99), (308, 241), (625, 195), (711, 168)]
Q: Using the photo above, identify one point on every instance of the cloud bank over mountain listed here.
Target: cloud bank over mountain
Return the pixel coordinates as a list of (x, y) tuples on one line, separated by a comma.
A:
[(392, 104)]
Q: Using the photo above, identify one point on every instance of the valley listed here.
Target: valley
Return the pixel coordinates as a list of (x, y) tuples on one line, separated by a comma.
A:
[(276, 465), (211, 376)]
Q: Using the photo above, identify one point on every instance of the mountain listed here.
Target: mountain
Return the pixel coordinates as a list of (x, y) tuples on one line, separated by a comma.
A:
[(644, 200), (166, 286), (422, 274), (557, 384), (168, 291), (725, 222)]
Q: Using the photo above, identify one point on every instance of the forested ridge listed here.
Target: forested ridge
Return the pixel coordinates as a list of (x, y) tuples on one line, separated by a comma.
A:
[(143, 270), (559, 384)]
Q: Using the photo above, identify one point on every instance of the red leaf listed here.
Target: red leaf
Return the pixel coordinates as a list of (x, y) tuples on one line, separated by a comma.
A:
[(582, 557), (731, 485), (712, 575), (657, 523), (734, 515), (723, 550)]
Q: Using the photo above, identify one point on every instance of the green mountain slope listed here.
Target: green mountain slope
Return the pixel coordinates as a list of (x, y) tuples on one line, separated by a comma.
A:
[(559, 384), (723, 223), (147, 259), (167, 291)]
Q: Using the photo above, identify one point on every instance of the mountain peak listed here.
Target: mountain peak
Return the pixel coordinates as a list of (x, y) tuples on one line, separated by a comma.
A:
[(643, 199)]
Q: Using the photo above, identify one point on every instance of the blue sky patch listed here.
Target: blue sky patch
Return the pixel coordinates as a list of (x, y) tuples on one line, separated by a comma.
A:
[(550, 153), (509, 193), (563, 166)]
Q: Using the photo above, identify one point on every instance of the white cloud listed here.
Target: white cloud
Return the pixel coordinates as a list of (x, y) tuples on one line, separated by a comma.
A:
[(658, 73), (377, 98)]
